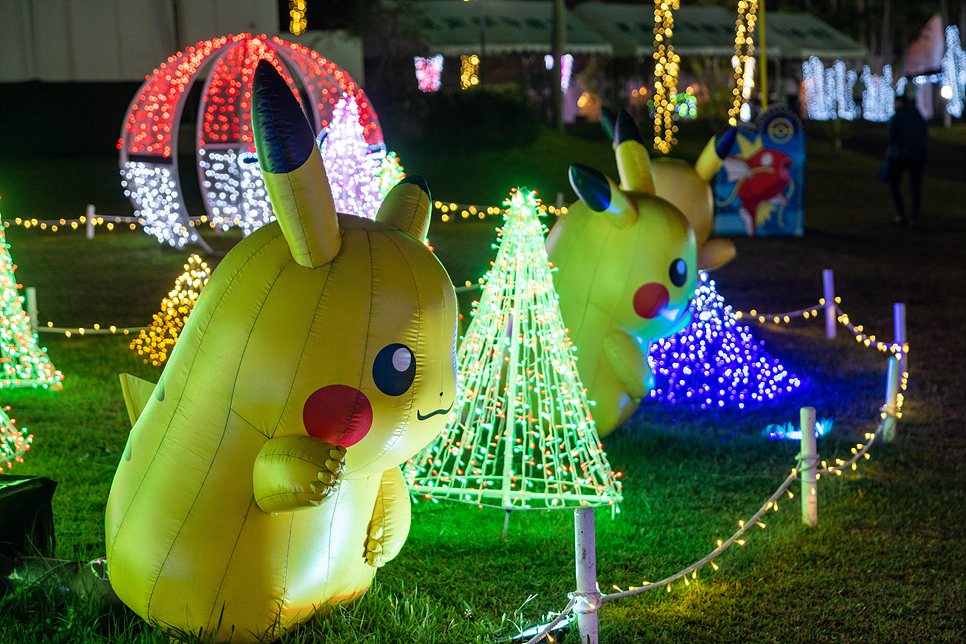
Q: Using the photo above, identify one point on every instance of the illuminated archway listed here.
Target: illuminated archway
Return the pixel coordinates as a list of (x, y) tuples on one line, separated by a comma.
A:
[(228, 172)]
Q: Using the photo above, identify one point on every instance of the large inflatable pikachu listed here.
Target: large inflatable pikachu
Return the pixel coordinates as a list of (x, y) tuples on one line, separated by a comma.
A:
[(626, 271), (260, 482), (689, 188)]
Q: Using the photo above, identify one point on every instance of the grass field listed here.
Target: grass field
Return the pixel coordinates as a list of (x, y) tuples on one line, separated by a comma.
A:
[(886, 564)]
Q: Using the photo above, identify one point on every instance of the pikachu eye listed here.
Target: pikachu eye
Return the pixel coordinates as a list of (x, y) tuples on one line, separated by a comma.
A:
[(394, 369), (678, 272)]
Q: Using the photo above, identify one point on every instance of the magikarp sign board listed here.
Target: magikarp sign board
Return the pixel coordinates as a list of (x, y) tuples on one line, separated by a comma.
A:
[(761, 185)]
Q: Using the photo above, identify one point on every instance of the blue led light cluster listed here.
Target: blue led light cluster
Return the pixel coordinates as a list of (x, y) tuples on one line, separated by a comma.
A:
[(715, 362), (788, 431)]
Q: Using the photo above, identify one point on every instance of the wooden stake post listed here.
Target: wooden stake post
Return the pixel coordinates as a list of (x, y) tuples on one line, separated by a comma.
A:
[(808, 468)]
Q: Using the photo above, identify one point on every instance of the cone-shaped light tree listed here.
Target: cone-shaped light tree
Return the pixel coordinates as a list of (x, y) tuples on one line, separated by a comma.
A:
[(715, 362), (520, 434), (23, 363), (155, 344)]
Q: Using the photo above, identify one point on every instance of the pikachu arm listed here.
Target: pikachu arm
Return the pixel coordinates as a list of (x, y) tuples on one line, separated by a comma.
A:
[(296, 473), (628, 362), (390, 521)]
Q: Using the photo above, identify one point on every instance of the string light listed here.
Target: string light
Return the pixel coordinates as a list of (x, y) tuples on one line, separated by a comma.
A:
[(743, 61), (59, 225), (520, 434), (469, 71), (297, 10), (157, 341), (14, 442), (232, 187), (453, 211), (954, 73), (352, 173), (878, 97), (429, 72), (23, 363), (566, 69), (828, 92), (790, 431), (666, 64), (715, 362)]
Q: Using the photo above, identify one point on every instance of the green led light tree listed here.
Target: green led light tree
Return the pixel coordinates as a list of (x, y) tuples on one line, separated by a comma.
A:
[(23, 363), (521, 434), (14, 443)]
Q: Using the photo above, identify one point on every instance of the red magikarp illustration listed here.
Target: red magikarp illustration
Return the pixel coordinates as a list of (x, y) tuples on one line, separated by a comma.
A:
[(761, 176)]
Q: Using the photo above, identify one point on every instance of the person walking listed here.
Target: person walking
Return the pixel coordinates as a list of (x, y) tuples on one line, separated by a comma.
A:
[(908, 151)]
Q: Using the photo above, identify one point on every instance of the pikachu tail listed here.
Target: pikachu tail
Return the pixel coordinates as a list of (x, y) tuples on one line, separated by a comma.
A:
[(137, 393)]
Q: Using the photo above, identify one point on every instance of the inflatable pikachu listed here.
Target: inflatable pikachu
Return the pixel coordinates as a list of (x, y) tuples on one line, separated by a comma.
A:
[(260, 482), (626, 270), (689, 188)]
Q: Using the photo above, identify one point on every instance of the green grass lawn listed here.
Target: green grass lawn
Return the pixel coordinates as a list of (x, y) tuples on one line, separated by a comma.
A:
[(886, 564)]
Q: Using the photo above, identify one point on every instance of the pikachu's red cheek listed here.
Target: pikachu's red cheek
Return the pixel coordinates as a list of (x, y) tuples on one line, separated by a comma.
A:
[(338, 414), (650, 299)]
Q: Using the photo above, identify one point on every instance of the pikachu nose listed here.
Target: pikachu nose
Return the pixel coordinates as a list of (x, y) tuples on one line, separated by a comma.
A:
[(337, 414), (650, 299)]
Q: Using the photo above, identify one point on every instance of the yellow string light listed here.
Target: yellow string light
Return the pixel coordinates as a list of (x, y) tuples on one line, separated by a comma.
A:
[(743, 60), (469, 71), (666, 65), (297, 11)]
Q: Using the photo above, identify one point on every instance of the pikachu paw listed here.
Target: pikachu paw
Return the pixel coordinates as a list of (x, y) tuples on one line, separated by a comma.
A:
[(374, 548), (329, 477)]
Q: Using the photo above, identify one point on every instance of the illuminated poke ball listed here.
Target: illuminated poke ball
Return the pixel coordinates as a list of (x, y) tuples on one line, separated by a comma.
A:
[(228, 173)]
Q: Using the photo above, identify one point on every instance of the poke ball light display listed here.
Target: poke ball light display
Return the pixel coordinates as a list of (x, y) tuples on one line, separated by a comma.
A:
[(228, 171)]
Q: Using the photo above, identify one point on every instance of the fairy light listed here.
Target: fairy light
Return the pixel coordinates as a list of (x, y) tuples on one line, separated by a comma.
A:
[(296, 11), (14, 442), (469, 71), (878, 97), (566, 69), (954, 73), (715, 362), (155, 343), (23, 363), (455, 211), (666, 64), (828, 92), (520, 434), (232, 187), (429, 72), (743, 61), (789, 431)]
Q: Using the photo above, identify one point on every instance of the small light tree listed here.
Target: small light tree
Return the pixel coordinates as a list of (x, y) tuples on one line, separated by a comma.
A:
[(155, 343), (23, 363), (348, 164), (521, 433), (715, 362)]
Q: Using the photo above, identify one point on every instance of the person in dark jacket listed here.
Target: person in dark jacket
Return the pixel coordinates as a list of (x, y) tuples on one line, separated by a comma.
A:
[(908, 151)]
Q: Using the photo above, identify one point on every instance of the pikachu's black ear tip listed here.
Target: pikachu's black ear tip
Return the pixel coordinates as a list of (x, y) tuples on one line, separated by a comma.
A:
[(283, 136), (417, 180), (591, 186)]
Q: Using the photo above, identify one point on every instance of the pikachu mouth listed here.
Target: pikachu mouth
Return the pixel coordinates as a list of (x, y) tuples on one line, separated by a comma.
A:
[(434, 413)]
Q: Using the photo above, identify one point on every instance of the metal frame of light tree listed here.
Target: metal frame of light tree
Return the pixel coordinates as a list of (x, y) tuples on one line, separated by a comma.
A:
[(521, 435), (229, 178)]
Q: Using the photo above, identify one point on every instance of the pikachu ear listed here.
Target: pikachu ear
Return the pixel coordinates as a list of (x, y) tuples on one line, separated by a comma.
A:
[(608, 123), (633, 162), (714, 153), (602, 195), (293, 171), (407, 207)]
